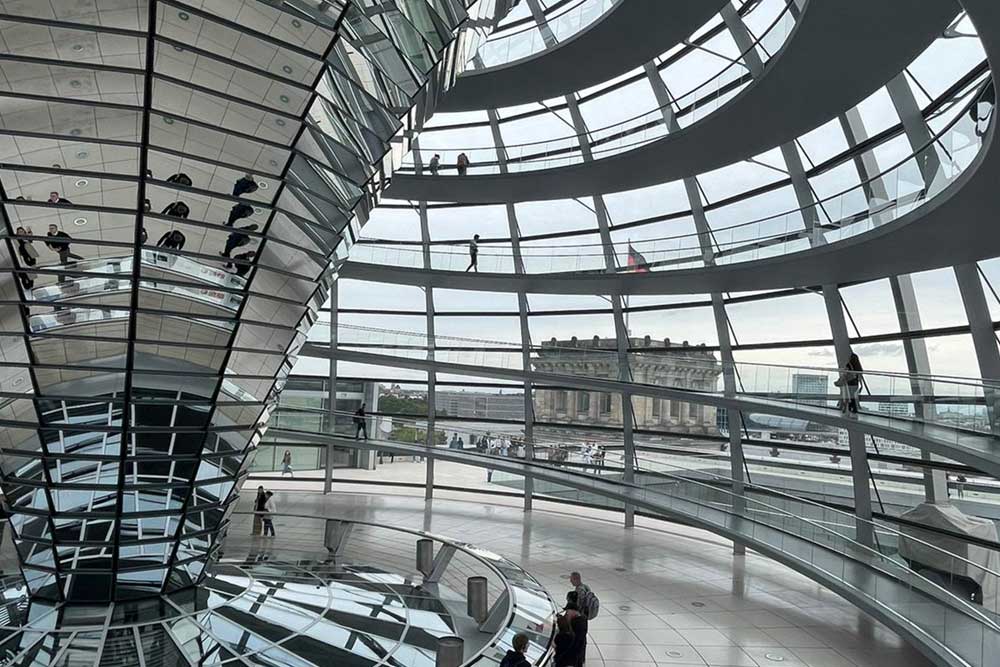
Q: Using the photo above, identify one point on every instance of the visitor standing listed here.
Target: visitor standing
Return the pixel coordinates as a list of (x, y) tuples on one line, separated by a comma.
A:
[(54, 198), (238, 212), (258, 510), (28, 253), (462, 164), (579, 624), (286, 463), (434, 164), (172, 240), (589, 605), (244, 263), (244, 186), (565, 643), (268, 515), (177, 209), (238, 239), (515, 655)]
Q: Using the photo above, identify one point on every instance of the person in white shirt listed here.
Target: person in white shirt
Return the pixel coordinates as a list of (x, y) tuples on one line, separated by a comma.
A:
[(270, 507)]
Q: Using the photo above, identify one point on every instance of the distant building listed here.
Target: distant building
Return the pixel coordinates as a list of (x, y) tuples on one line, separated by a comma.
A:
[(877, 442), (597, 358), (810, 384), (480, 405)]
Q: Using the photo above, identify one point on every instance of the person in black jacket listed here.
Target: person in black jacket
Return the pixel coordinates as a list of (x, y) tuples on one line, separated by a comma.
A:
[(243, 269), (238, 239), (245, 186), (59, 243), (258, 510), (360, 423), (578, 622), (565, 642), (238, 212), (178, 210), (515, 656), (180, 179), (173, 240), (850, 382)]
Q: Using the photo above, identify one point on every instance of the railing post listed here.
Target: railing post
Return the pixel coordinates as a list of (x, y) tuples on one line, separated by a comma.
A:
[(336, 535), (450, 652), (477, 598), (429, 480), (425, 556)]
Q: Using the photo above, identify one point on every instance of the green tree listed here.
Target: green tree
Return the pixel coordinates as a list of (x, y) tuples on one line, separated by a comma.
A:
[(402, 405)]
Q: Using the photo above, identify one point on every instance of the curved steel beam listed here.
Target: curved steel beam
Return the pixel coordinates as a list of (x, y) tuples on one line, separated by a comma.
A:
[(628, 35), (839, 53)]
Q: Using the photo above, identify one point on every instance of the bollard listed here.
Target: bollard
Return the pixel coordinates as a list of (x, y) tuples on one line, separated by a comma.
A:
[(478, 599), (425, 556), (450, 652), (336, 534)]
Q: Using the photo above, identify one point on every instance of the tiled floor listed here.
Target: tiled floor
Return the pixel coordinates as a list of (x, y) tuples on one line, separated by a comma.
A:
[(670, 595)]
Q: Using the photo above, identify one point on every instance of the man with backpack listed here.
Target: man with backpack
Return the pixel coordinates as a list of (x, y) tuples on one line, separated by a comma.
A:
[(587, 600)]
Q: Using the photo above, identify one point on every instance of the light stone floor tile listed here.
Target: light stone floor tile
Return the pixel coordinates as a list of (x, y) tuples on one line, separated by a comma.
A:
[(658, 636), (726, 656), (823, 657), (680, 654), (796, 638), (615, 653), (707, 637)]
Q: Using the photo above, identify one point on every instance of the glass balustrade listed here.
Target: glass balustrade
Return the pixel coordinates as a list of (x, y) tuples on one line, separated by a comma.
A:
[(527, 41)]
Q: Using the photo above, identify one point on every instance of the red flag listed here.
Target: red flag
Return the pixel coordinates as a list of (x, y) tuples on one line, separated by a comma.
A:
[(636, 262)]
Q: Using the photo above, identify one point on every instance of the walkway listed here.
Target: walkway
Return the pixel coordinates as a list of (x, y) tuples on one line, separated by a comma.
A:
[(979, 450), (628, 35), (879, 585), (839, 53)]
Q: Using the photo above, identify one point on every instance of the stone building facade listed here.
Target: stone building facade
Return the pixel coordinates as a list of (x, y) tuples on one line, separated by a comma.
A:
[(651, 362)]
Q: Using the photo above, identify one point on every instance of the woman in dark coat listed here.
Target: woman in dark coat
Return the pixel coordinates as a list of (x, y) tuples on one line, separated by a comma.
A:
[(565, 642), (578, 623)]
